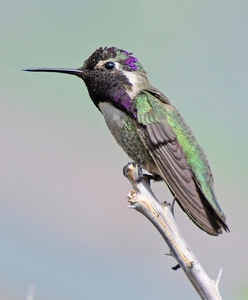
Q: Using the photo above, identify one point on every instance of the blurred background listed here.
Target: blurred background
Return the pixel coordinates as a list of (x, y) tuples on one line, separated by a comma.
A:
[(64, 228)]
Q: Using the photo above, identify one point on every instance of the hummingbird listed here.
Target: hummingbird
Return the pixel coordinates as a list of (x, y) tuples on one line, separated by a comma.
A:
[(151, 131)]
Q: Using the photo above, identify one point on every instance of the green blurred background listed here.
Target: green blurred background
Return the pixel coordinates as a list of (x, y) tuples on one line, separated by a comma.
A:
[(64, 228)]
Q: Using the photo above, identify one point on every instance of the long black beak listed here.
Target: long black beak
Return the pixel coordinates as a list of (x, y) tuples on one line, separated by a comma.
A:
[(77, 72)]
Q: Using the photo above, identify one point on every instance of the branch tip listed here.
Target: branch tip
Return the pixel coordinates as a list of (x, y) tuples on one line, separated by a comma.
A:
[(217, 281), (133, 171)]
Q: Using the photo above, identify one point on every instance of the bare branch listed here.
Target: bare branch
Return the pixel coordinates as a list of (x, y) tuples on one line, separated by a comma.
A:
[(142, 199)]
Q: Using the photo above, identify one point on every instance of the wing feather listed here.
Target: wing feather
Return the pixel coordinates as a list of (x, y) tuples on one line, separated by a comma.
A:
[(163, 145)]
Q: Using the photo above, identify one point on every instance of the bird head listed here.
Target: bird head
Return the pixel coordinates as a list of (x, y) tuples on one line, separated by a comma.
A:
[(110, 74)]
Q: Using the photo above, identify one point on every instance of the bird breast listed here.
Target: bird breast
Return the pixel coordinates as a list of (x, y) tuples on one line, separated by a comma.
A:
[(123, 128)]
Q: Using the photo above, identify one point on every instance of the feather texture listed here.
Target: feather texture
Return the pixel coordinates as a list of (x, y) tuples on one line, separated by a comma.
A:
[(181, 161)]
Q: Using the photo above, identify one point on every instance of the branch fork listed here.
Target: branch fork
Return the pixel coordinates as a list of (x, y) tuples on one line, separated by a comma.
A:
[(142, 199)]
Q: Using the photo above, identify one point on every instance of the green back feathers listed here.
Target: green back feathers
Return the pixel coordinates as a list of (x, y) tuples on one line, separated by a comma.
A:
[(151, 110)]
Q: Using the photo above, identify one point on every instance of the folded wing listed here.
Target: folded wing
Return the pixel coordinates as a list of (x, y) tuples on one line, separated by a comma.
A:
[(162, 140)]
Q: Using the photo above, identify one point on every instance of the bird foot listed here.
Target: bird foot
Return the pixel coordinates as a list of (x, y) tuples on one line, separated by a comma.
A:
[(149, 177), (172, 206), (176, 267)]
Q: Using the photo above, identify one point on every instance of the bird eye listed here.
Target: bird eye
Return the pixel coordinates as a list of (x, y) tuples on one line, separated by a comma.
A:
[(110, 65)]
